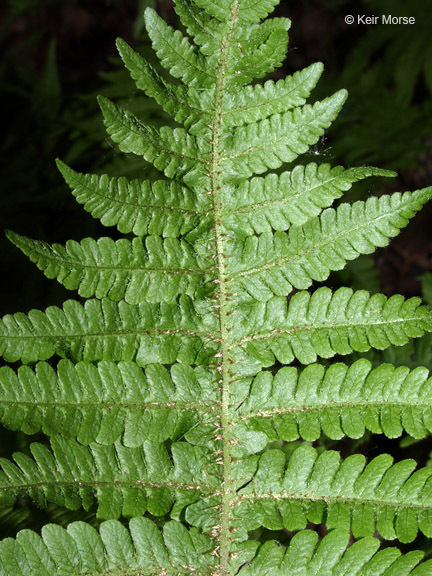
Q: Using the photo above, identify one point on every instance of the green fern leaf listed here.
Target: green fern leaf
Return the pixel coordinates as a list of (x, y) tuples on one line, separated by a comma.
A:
[(102, 329), (130, 270), (176, 152), (176, 54), (200, 25), (127, 270), (169, 392), (261, 48), (144, 549), (155, 404), (323, 324), (256, 148), (277, 201), (304, 559), (174, 99), (141, 207), (384, 496), (275, 263), (109, 401), (250, 11), (81, 550), (341, 401), (391, 498), (258, 102), (124, 481)]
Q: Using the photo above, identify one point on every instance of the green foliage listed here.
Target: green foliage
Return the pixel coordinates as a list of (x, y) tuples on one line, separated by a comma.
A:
[(183, 393), (145, 550)]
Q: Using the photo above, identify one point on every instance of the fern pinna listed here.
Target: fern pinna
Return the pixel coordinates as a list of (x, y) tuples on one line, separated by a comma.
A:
[(174, 394)]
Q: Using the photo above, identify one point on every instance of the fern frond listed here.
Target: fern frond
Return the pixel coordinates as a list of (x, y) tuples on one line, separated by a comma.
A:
[(155, 404), (324, 324), (267, 144), (304, 558), (80, 549), (277, 201), (258, 102), (174, 99), (249, 11), (204, 29), (274, 263), (175, 152), (142, 207), (102, 329), (109, 401), (152, 270), (339, 401), (156, 393), (391, 498), (176, 550), (261, 48), (177, 54), (123, 481)]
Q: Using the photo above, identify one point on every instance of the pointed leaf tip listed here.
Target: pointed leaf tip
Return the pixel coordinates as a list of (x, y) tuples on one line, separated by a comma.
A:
[(120, 43), (103, 102), (10, 235), (340, 96), (62, 167), (150, 15), (123, 49)]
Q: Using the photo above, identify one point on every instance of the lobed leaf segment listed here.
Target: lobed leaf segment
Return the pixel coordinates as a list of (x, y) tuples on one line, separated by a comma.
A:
[(171, 394)]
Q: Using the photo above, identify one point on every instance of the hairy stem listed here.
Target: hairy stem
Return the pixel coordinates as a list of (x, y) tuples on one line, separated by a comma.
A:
[(224, 366)]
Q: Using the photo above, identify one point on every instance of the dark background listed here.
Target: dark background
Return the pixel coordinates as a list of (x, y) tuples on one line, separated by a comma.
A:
[(57, 55)]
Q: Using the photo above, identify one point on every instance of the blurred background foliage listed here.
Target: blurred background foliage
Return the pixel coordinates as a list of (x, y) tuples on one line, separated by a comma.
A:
[(57, 55)]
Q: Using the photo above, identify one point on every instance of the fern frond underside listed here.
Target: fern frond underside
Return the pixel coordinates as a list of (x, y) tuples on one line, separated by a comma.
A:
[(172, 391)]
